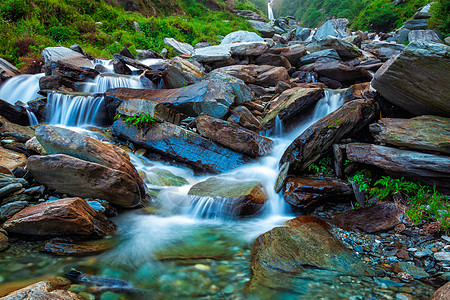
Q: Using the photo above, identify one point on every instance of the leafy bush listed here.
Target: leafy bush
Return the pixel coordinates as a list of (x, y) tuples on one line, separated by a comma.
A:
[(60, 33), (440, 18), (14, 10), (324, 166)]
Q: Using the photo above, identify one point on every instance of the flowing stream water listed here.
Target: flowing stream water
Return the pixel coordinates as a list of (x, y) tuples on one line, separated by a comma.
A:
[(184, 247)]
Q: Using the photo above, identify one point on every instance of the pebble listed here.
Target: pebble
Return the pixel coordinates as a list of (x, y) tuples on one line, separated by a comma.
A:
[(202, 267), (228, 289), (423, 253)]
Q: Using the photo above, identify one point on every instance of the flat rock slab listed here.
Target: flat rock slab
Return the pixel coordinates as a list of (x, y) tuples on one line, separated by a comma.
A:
[(233, 136), (182, 145), (55, 54), (422, 133), (304, 243), (76, 177), (10, 159), (303, 192), (67, 247), (320, 136), (433, 168), (212, 97), (234, 197), (371, 219), (70, 216), (416, 80)]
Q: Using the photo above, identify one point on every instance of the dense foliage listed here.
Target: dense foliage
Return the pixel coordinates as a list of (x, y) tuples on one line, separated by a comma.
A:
[(103, 27), (372, 15)]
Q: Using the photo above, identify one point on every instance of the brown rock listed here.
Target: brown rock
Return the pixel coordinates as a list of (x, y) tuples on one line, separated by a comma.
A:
[(70, 216), (422, 133), (272, 76), (303, 192), (242, 116), (67, 247), (35, 147), (359, 91), (443, 293), (13, 113), (289, 104), (243, 72), (73, 176), (371, 219), (320, 136), (10, 159), (342, 72), (293, 54), (305, 243), (4, 244), (233, 197), (273, 60), (428, 168), (57, 140), (233, 136), (19, 132)]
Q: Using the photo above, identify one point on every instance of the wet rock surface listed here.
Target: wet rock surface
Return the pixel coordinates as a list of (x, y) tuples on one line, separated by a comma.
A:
[(71, 216)]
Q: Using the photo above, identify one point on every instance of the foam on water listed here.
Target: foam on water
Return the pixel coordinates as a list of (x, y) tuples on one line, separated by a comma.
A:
[(21, 88)]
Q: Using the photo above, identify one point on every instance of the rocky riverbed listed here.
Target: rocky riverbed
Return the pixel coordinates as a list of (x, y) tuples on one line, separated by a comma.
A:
[(236, 171)]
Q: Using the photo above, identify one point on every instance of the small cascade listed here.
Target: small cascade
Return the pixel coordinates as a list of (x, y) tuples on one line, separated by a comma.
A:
[(21, 88), (270, 11), (278, 128), (104, 65), (32, 118), (312, 33), (73, 110), (209, 208), (106, 81)]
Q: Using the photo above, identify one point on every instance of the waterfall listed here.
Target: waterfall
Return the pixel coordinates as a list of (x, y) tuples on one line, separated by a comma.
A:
[(269, 10), (265, 170), (32, 118), (106, 81), (21, 88), (72, 110)]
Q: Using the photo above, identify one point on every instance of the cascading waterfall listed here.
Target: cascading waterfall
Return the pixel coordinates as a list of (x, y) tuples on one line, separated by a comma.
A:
[(106, 81), (32, 118), (265, 170), (269, 10), (72, 110), (21, 88)]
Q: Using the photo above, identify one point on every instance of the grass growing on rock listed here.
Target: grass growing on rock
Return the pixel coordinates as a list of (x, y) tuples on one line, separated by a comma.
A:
[(104, 27)]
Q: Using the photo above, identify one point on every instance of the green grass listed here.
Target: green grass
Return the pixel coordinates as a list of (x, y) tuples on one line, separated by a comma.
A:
[(28, 26), (139, 121)]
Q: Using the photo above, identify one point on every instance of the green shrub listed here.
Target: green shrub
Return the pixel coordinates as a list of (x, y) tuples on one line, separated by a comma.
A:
[(139, 121), (14, 10), (60, 33)]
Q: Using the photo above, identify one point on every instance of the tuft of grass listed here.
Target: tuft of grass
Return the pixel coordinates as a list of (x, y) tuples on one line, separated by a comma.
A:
[(139, 121)]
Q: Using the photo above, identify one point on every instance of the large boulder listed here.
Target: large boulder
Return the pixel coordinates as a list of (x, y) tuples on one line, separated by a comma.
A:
[(233, 136), (383, 50), (212, 97), (244, 72), (66, 55), (294, 53), (429, 133), (433, 169), (320, 136), (346, 50), (304, 192), (303, 245), (58, 140), (271, 76), (290, 104), (180, 72), (234, 197), (415, 24), (442, 293), (424, 35), (342, 72), (179, 47), (249, 49), (380, 217), (137, 107), (311, 58), (212, 54), (263, 28), (241, 36), (13, 113), (70, 216), (241, 91), (335, 27), (76, 177), (182, 145), (415, 79)]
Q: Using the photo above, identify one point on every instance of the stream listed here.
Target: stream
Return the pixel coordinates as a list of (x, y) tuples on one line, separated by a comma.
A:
[(184, 247)]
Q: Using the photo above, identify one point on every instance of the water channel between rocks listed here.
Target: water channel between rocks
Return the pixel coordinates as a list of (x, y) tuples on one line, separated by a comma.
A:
[(190, 247)]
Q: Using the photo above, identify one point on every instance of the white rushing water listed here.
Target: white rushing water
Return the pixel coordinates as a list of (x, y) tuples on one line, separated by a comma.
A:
[(269, 10), (21, 88), (72, 110), (106, 81)]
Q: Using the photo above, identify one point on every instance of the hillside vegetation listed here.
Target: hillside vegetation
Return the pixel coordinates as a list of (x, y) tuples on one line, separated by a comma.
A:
[(371, 15), (104, 27)]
